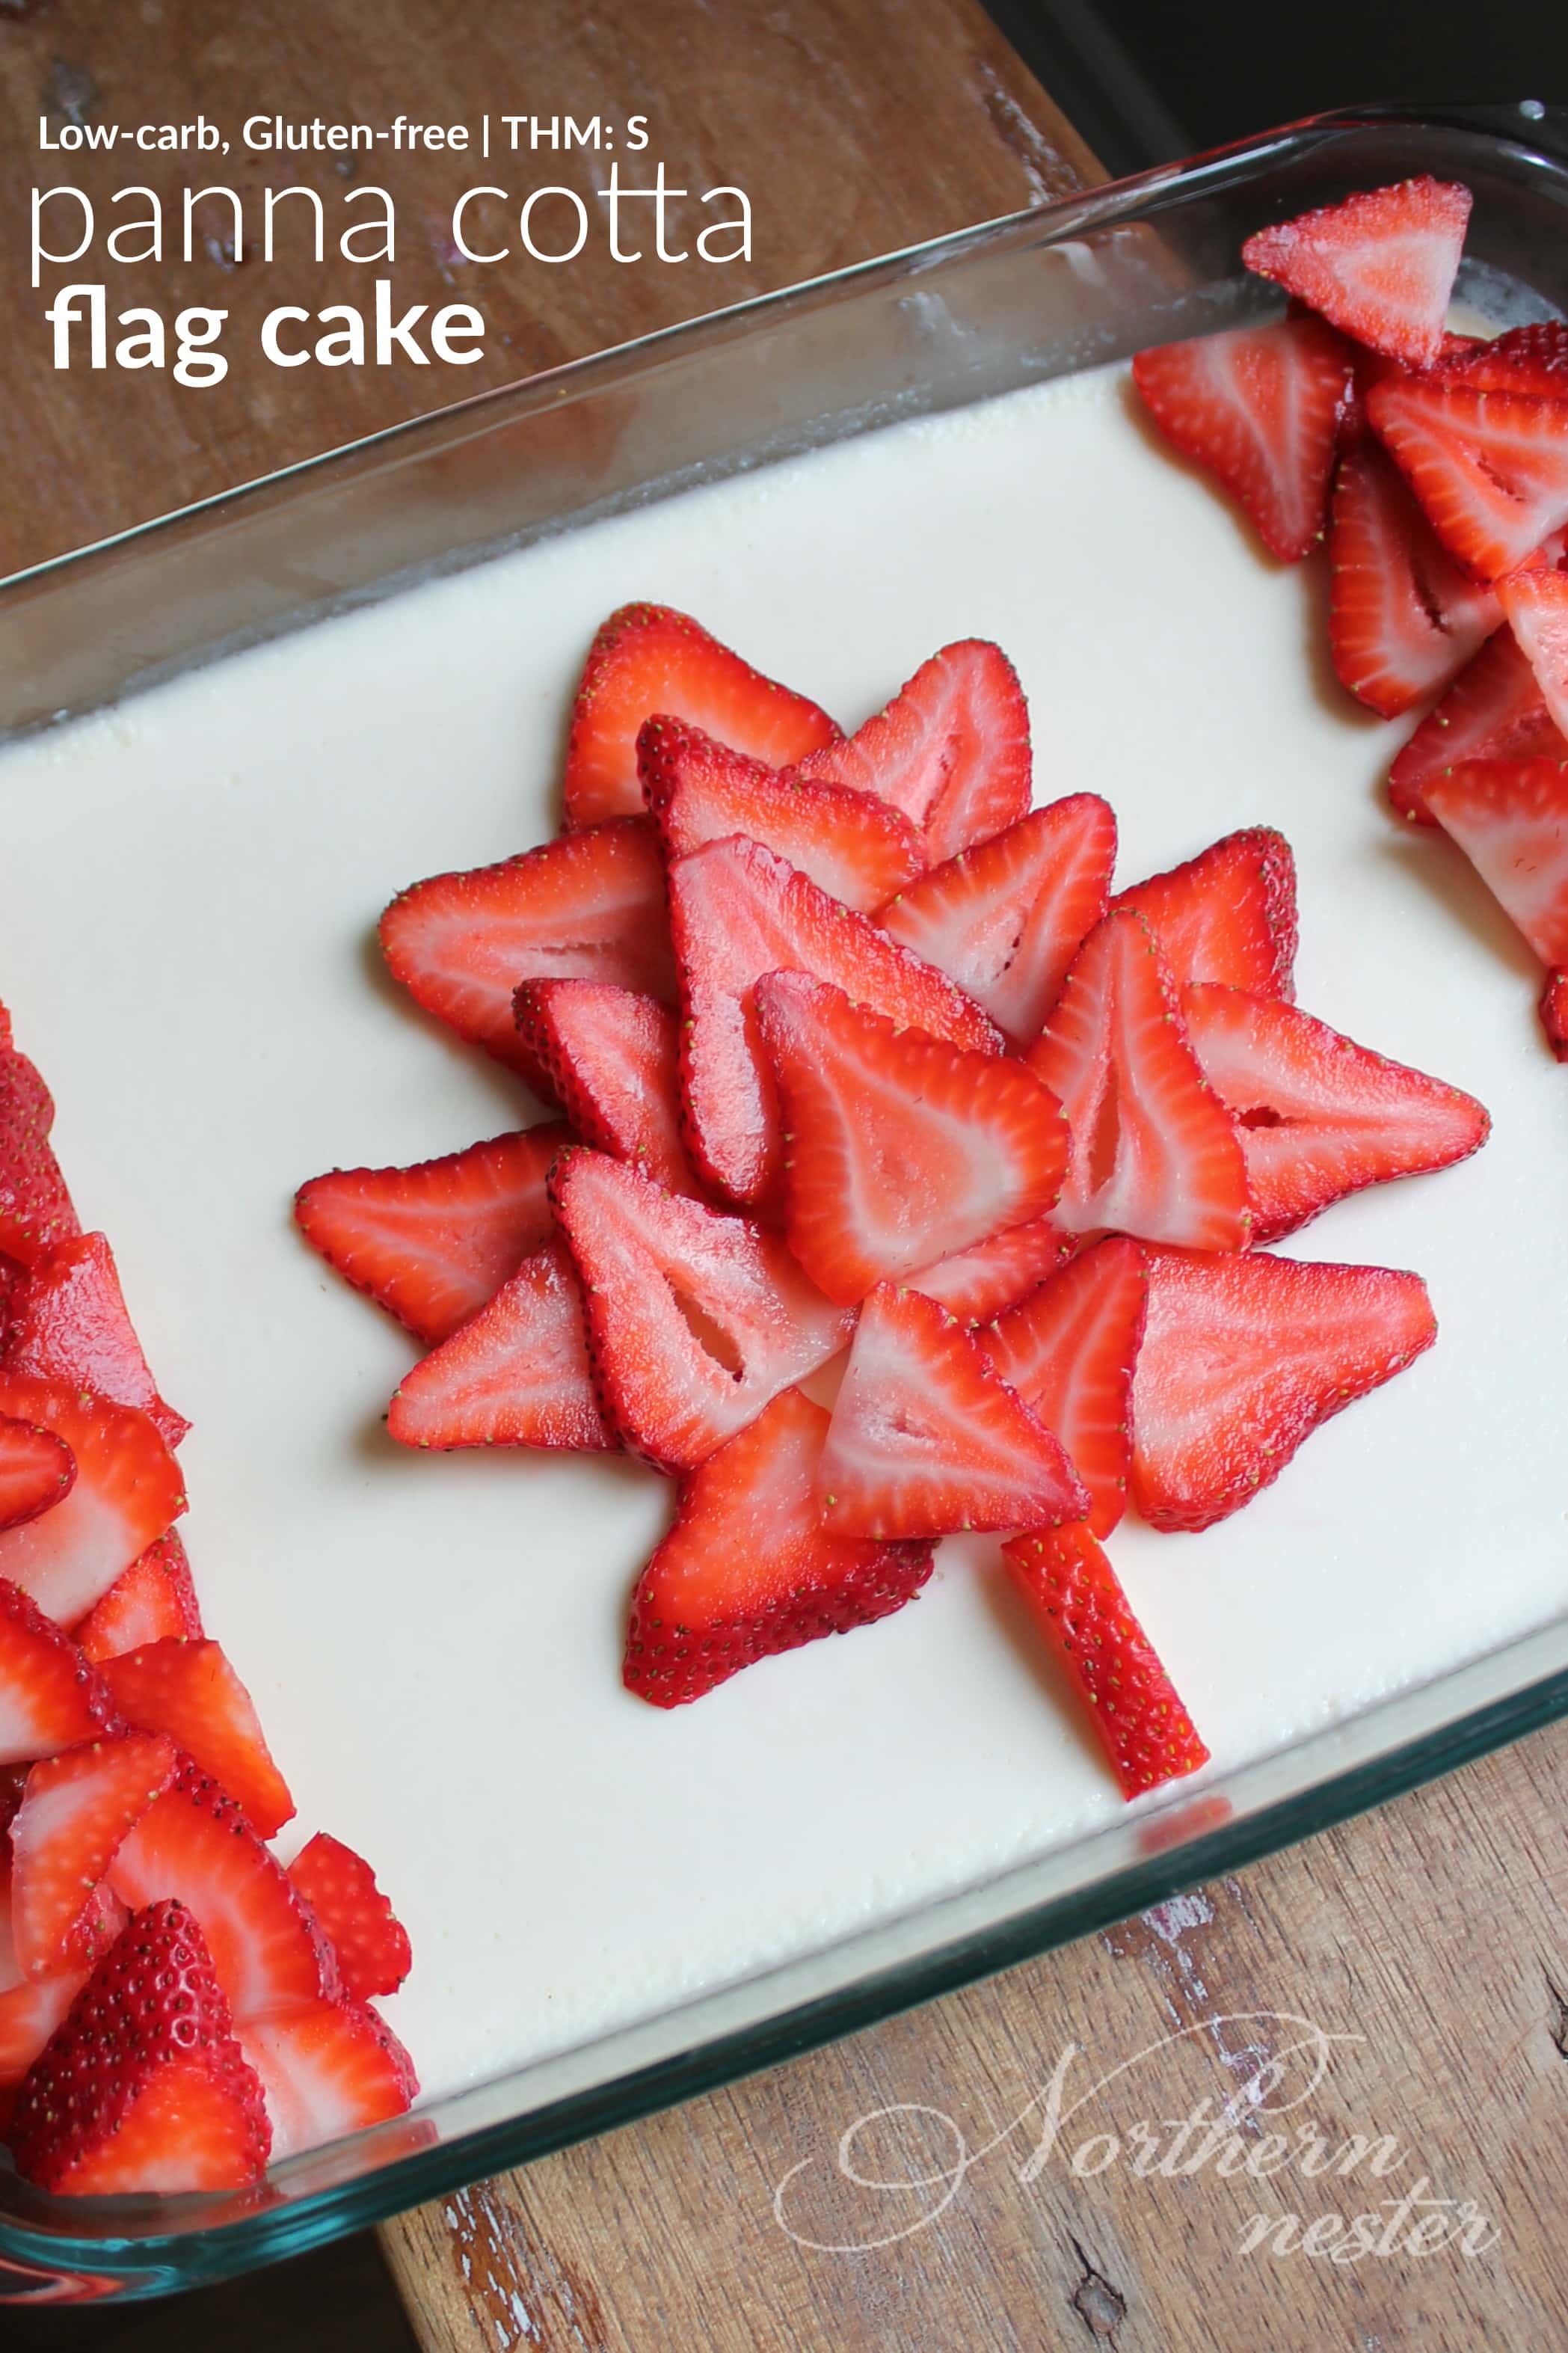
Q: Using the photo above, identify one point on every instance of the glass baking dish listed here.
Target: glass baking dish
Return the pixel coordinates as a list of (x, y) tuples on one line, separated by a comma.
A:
[(1042, 293)]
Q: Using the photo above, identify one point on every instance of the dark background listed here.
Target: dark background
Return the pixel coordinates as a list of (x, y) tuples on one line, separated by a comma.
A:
[(1148, 81)]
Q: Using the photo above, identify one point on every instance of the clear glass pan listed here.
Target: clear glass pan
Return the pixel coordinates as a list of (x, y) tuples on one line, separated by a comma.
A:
[(1068, 285)]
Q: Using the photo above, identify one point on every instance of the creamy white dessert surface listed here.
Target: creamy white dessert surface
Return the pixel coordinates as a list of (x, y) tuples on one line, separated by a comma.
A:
[(187, 896)]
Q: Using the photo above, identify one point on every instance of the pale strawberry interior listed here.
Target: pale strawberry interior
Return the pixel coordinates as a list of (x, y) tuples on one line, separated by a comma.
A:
[(433, 1642)]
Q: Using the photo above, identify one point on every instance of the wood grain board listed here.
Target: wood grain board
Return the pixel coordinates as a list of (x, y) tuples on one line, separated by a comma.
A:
[(1432, 1935)]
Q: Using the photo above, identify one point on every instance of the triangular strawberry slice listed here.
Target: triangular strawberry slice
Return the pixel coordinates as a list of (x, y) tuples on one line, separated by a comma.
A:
[(978, 1283), (1076, 1599), (736, 912), (1154, 1152), (516, 1375), (589, 907), (1530, 360), (648, 658), (30, 2018), (155, 1596), (1258, 407), (51, 1697), (431, 1243), (68, 1322), (190, 1690), (1536, 604), (1070, 1350), (127, 1492), (1004, 920), (1403, 619), (1489, 468), (370, 1941), (1228, 914), (327, 2069), (194, 1844), (854, 846), (36, 1212), (1380, 264), (613, 1061), (144, 2088), (926, 1439), (950, 750), (749, 1570), (75, 1811), (1493, 711), (900, 1149), (1511, 819), (695, 1320), (35, 1470), (1554, 1013), (1243, 1357), (1317, 1115)]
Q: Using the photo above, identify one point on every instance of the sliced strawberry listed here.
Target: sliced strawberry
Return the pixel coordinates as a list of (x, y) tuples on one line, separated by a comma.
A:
[(37, 1468), (36, 1212), (432, 1242), (647, 659), (1227, 914), (1402, 619), (926, 1439), (980, 1282), (126, 1493), (190, 1690), (950, 750), (30, 2016), (1153, 1150), (749, 1570), (1258, 407), (1529, 360), (856, 847), (738, 912), (194, 1844), (695, 1320), (75, 1811), (1070, 1350), (154, 1597), (1243, 1357), (370, 1941), (1380, 264), (328, 2069), (68, 1322), (589, 907), (1511, 819), (1554, 1013), (613, 1061), (1489, 468), (145, 2088), (51, 1697), (1005, 920), (517, 1374), (1536, 604), (1494, 711), (1317, 1115), (1078, 1602), (900, 1150)]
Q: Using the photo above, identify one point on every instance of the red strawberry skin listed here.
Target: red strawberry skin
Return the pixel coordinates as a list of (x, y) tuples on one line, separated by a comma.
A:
[(1228, 914), (155, 1596), (68, 1322), (432, 1243), (613, 1061), (145, 2088), (1380, 263), (37, 1468), (749, 1570), (1554, 1013), (50, 1696), (1258, 407), (1078, 1602), (1493, 711), (36, 1212), (370, 1941), (589, 907), (1243, 1357), (190, 1691), (1531, 360), (648, 659), (75, 1811), (127, 1493)]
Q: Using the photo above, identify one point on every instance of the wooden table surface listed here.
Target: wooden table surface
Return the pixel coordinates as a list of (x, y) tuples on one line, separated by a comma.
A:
[(1431, 1936)]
